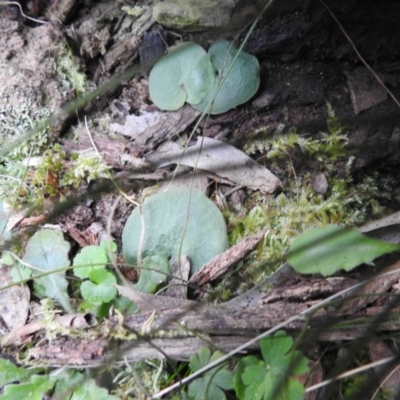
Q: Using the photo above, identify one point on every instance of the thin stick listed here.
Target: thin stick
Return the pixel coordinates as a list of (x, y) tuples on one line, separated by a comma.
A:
[(14, 3), (276, 328), (360, 56), (352, 372)]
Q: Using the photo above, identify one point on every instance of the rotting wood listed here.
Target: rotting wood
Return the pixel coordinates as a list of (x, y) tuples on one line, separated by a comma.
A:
[(366, 294), (61, 10), (110, 149), (221, 263), (168, 128), (122, 55), (178, 333)]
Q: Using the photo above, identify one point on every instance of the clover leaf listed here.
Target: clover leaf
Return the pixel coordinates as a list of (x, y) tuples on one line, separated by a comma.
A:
[(212, 384), (331, 248), (100, 288), (89, 258), (271, 378), (185, 74), (235, 84)]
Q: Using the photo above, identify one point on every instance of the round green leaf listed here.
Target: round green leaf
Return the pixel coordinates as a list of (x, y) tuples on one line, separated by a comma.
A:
[(89, 255), (241, 83), (184, 74), (181, 221), (103, 290)]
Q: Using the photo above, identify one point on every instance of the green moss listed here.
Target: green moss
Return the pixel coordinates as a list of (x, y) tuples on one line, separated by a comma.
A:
[(68, 70), (298, 207), (15, 121), (328, 148), (85, 168), (54, 176)]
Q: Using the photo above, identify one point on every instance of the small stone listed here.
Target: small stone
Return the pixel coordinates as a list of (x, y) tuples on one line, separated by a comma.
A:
[(320, 184), (365, 90), (264, 100)]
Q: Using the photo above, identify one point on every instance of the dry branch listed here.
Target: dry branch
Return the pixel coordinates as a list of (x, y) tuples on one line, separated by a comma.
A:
[(178, 333)]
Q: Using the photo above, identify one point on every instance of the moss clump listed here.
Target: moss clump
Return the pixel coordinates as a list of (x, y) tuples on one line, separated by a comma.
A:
[(298, 207), (52, 176), (68, 70), (15, 121)]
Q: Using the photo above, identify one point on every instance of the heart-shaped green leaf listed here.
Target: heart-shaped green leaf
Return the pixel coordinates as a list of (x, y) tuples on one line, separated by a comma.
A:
[(185, 74), (242, 78), (178, 222), (101, 288)]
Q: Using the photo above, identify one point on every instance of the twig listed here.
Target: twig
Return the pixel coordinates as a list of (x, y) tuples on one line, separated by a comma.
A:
[(360, 56), (14, 3), (276, 328), (352, 372)]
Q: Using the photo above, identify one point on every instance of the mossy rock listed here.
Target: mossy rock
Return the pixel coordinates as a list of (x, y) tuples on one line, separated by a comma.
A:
[(193, 15)]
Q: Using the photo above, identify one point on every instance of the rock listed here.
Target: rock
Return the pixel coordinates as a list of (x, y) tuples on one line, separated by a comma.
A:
[(193, 15), (264, 100), (320, 184), (365, 90)]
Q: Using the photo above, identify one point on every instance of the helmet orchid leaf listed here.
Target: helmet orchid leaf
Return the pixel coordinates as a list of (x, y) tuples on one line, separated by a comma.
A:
[(214, 82), (178, 222), (185, 74), (240, 80)]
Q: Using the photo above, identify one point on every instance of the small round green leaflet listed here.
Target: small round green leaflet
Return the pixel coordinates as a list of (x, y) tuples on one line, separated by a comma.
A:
[(241, 83), (331, 248), (181, 221), (185, 74)]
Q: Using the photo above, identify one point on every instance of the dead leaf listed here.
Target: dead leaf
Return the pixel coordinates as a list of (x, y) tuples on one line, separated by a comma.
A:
[(14, 301), (220, 158)]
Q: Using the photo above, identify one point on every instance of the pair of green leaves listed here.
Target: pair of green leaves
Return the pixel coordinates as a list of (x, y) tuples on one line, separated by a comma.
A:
[(211, 82), (65, 384), (271, 378), (90, 264), (254, 379)]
